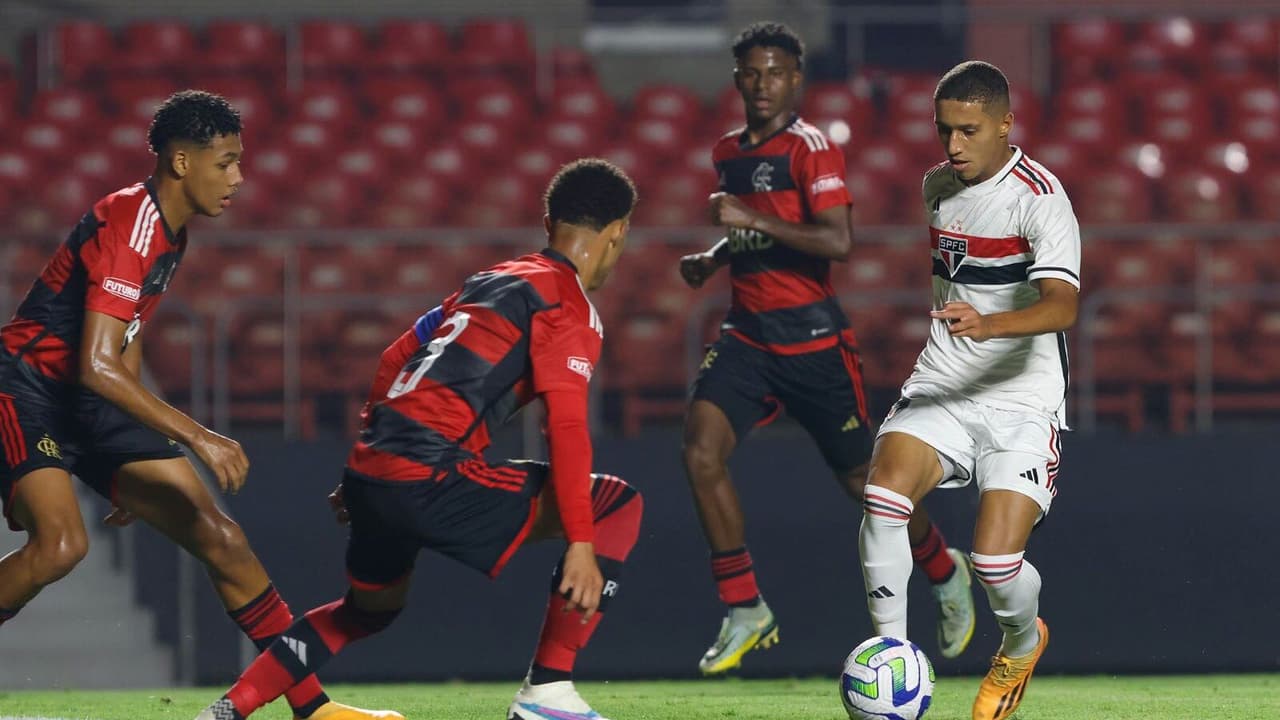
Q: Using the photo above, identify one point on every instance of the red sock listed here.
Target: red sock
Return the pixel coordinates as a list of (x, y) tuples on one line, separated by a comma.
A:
[(617, 509), (930, 554), (263, 619), (303, 649), (735, 577)]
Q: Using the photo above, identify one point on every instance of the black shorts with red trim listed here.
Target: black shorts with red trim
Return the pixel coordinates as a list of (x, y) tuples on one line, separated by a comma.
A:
[(46, 424), (473, 512), (822, 390)]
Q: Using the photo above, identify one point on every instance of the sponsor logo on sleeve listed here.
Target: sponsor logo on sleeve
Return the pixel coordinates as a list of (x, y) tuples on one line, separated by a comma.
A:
[(581, 365), (122, 289), (826, 183)]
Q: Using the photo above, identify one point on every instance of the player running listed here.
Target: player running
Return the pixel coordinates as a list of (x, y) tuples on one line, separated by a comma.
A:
[(418, 477), (71, 400), (987, 397), (786, 341)]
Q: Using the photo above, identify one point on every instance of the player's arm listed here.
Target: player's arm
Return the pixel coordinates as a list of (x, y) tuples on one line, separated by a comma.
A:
[(105, 370), (569, 453), (1055, 311), (829, 236), (696, 268)]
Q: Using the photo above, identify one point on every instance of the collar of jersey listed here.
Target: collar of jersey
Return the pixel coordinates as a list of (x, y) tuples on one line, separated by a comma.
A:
[(992, 182), (746, 146), (560, 258), (151, 190)]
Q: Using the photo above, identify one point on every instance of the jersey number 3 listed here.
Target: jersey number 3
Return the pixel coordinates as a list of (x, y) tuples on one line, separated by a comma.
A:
[(409, 378)]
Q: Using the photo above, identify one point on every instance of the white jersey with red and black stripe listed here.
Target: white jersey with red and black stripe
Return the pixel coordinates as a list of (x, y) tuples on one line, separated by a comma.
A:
[(989, 243)]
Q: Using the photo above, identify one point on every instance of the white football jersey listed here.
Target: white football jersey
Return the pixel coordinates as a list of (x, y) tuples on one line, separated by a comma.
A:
[(989, 242)]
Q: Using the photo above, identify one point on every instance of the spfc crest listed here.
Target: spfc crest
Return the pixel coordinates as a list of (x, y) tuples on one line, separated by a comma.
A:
[(953, 251)]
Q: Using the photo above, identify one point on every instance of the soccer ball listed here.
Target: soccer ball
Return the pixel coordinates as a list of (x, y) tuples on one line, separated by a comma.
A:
[(886, 678)]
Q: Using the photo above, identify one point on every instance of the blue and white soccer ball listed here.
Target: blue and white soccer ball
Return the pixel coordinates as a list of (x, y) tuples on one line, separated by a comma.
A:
[(886, 678)]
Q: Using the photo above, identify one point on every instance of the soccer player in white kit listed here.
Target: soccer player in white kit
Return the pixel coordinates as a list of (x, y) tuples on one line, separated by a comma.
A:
[(985, 401)]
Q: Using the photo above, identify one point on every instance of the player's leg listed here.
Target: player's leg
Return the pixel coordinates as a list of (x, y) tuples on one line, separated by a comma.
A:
[(42, 502), (730, 397), (1017, 490), (379, 563), (823, 391), (548, 691)]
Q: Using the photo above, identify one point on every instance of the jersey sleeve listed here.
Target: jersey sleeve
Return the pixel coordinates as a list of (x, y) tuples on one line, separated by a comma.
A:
[(116, 273), (562, 352), (820, 176), (1054, 235)]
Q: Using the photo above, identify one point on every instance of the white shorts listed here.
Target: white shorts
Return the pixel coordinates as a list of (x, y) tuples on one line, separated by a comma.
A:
[(1003, 449)]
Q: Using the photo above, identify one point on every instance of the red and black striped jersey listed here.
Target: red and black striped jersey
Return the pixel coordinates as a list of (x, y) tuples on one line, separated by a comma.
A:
[(517, 330), (782, 298), (118, 261)]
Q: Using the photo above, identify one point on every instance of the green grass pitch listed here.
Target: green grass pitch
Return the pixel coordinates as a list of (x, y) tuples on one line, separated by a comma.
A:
[(1216, 697)]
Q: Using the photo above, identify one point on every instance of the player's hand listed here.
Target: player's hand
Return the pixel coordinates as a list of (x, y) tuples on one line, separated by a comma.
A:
[(964, 321), (581, 582), (696, 268), (729, 211), (339, 506), (119, 518), (224, 457)]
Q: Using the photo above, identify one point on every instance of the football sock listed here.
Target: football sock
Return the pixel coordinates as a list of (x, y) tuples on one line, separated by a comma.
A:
[(886, 558), (1013, 590), (930, 555), (616, 508), (302, 650), (735, 577), (263, 619), (7, 614)]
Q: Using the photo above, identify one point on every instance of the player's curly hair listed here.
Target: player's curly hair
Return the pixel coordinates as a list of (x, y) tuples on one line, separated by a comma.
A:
[(193, 116), (769, 35), (974, 81), (590, 192)]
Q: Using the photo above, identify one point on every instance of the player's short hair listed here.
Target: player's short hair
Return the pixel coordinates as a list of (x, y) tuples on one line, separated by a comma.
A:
[(974, 81), (590, 193), (769, 35), (193, 116)]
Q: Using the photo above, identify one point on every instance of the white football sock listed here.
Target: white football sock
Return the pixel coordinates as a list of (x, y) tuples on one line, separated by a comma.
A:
[(886, 558), (1013, 589)]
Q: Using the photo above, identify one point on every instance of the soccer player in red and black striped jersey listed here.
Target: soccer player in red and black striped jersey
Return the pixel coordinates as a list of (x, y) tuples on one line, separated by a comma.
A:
[(71, 400), (417, 477), (786, 342)]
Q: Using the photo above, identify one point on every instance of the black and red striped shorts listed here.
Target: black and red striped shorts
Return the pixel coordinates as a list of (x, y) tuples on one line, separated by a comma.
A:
[(474, 512), (46, 424)]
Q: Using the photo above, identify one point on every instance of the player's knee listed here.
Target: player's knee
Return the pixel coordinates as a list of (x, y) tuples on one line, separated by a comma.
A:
[(219, 541), (57, 553), (619, 508), (884, 508), (854, 482), (359, 621), (703, 460)]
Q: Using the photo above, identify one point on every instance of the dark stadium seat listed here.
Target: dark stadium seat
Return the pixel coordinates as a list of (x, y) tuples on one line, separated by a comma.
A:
[(331, 47), (80, 46), (411, 46)]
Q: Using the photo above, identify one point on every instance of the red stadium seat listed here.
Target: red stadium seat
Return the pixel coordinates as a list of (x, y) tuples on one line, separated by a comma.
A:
[(1229, 157), (1087, 48), (679, 199), (137, 98), (874, 202), (1113, 195), (301, 138), (256, 106), (911, 97), (536, 164), (482, 212), (484, 138), (918, 139), (154, 46), (81, 47), (838, 100), (1262, 189), (70, 108), (1200, 196), (331, 47), (407, 46), (1095, 136), (44, 139), (237, 46), (402, 140), (495, 45), (449, 162), (415, 199), (365, 164), (328, 103), (570, 136), (667, 101), (492, 99), (582, 99), (1183, 40), (68, 197), (659, 137), (1255, 36), (1061, 158), (407, 99), (571, 62), (19, 168)]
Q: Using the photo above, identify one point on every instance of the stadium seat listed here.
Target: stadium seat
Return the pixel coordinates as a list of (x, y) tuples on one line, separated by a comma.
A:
[(69, 108), (331, 48), (491, 99), (128, 135), (572, 136), (411, 46), (237, 46), (137, 98), (1255, 36), (401, 140), (485, 139), (170, 344), (1113, 195), (325, 102), (666, 101), (257, 107), (81, 46), (1201, 196), (874, 202), (325, 200), (838, 100), (582, 99), (1229, 157), (44, 139), (535, 165), (1183, 40), (910, 97), (571, 63), (649, 389), (154, 46), (1087, 48), (1262, 190), (495, 45)]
